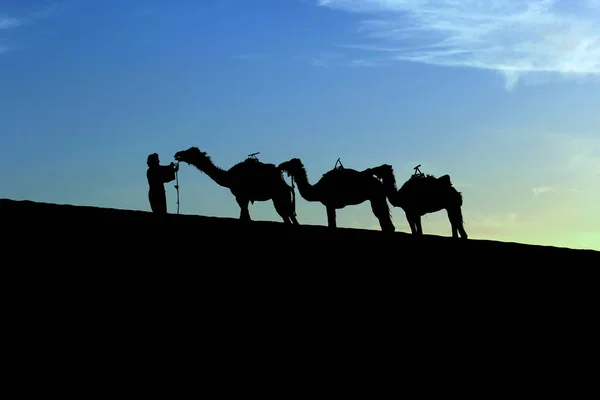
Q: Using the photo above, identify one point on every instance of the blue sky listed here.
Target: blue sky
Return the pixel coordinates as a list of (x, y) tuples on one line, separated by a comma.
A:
[(502, 95)]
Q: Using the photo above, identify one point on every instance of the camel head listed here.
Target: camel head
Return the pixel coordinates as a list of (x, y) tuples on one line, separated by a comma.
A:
[(292, 167), (193, 156), (384, 172)]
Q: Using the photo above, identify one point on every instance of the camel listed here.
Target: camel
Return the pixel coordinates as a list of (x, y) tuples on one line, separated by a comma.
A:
[(423, 194), (249, 181), (339, 188)]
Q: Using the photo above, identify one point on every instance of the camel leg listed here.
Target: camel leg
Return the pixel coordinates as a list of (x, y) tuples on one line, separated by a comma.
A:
[(452, 224), (294, 220), (331, 217), (456, 219), (418, 224), (291, 204), (382, 212), (414, 220), (244, 213), (460, 223), (411, 223), (463, 233), (284, 205), (284, 210)]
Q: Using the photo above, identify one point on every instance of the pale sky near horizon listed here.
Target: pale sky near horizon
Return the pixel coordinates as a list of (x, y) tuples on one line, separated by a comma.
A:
[(502, 95)]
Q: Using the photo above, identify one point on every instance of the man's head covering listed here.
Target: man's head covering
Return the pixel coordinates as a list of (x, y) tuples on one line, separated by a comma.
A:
[(153, 159)]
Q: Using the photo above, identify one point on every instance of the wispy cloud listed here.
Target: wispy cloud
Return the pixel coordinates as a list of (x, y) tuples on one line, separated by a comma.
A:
[(252, 56), (516, 38), (363, 62), (144, 12), (324, 60), (461, 185), (498, 224), (542, 189), (580, 155), (9, 22), (571, 166), (44, 12)]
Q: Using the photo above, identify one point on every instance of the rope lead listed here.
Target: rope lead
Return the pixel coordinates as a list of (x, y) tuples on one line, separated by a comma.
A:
[(294, 197), (177, 185)]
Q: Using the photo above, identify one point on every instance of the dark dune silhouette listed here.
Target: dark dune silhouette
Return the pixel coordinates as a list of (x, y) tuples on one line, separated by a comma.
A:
[(64, 229), (127, 276), (114, 284)]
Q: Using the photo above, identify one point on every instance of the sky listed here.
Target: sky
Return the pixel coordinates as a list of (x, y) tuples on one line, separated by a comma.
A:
[(502, 95)]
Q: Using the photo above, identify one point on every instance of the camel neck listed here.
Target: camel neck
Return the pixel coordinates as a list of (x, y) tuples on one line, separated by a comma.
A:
[(307, 191), (217, 174)]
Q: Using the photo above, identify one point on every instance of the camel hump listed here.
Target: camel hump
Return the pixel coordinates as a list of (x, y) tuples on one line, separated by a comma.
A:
[(445, 179), (255, 161)]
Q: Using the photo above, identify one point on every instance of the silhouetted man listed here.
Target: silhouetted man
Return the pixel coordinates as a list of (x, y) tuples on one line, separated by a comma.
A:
[(157, 176)]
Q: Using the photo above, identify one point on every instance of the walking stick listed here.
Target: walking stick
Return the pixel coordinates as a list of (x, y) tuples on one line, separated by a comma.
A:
[(177, 185)]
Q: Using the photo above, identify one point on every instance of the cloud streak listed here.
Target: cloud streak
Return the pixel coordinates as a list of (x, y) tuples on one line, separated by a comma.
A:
[(325, 60), (252, 56), (9, 23), (542, 189), (515, 38)]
